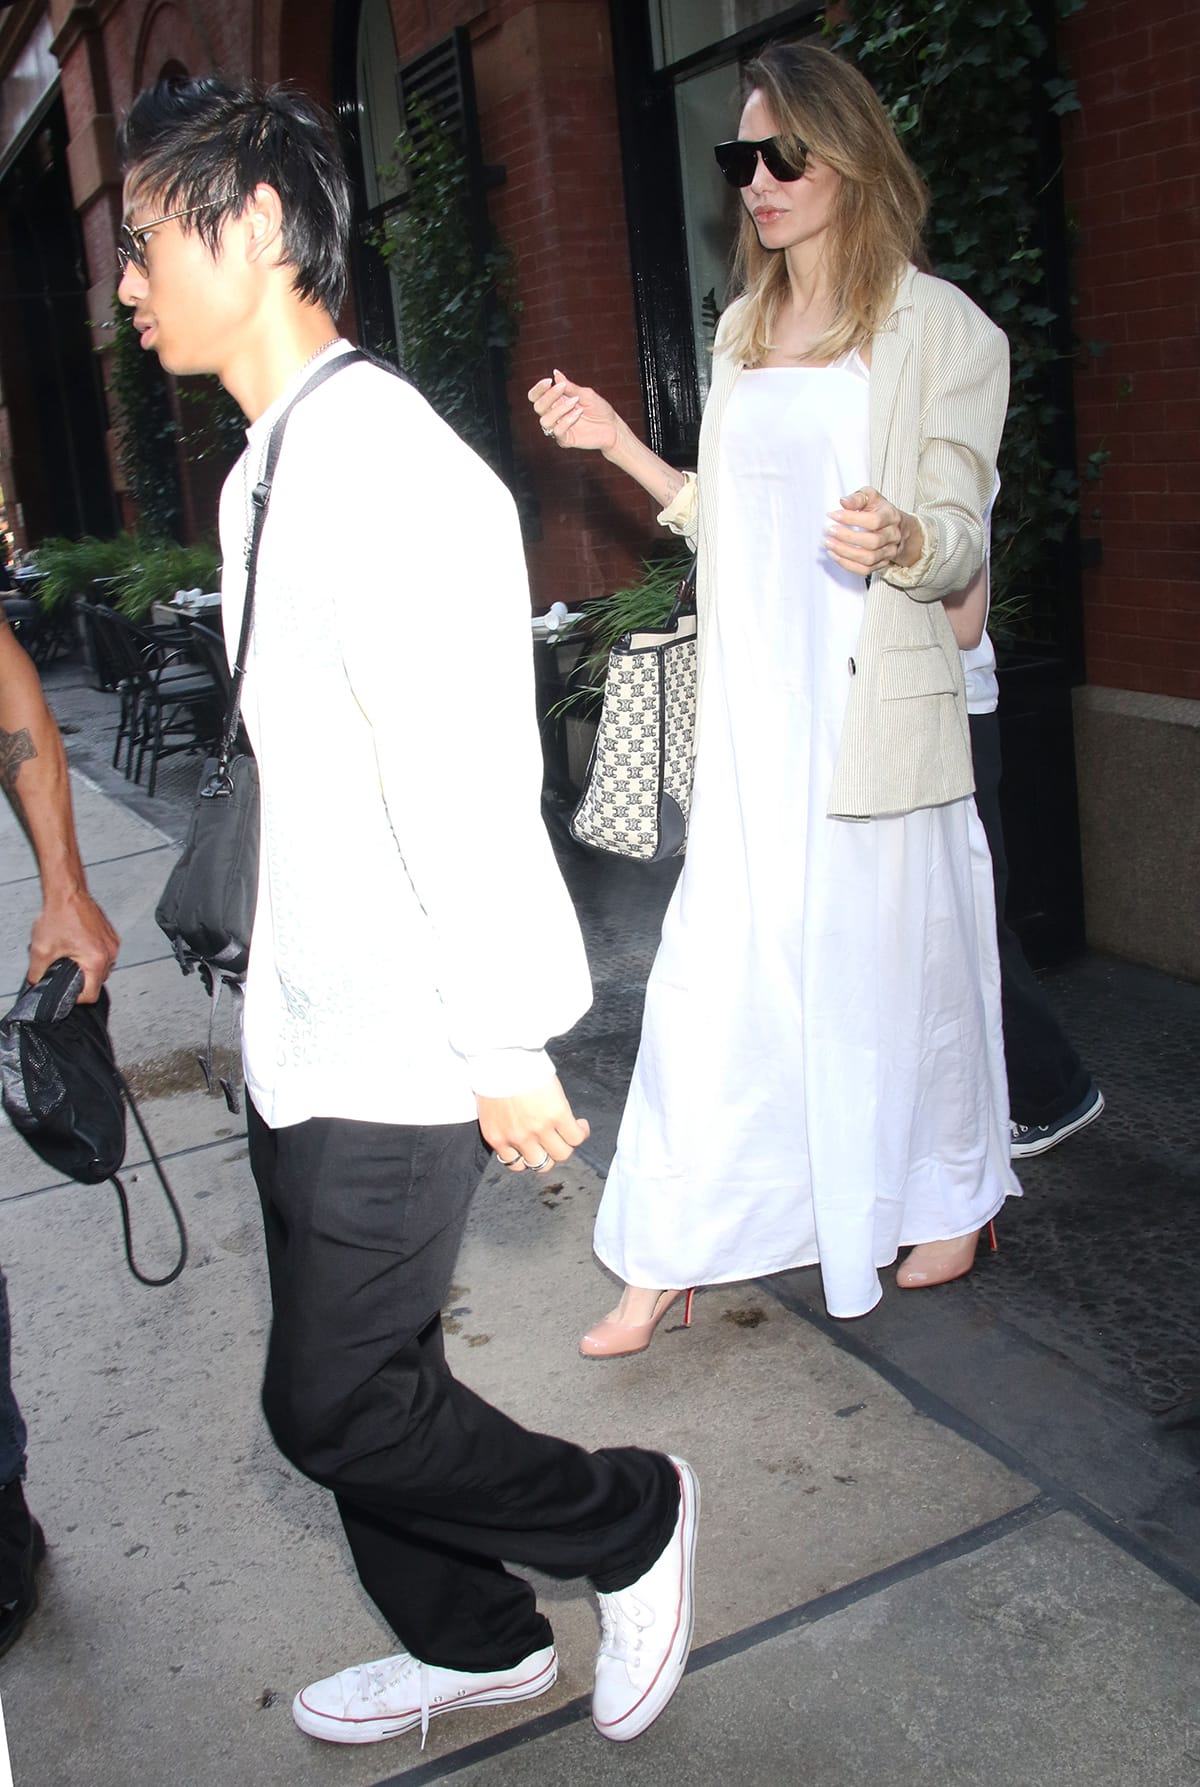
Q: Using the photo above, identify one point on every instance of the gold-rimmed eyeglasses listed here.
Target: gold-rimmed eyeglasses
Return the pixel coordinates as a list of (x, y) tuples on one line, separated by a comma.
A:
[(130, 250)]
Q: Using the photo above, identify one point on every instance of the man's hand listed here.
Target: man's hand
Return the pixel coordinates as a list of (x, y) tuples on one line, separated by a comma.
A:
[(34, 777), (532, 1130), (73, 925)]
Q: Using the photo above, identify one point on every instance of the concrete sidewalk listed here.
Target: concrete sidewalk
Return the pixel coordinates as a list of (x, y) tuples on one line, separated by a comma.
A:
[(885, 1593)]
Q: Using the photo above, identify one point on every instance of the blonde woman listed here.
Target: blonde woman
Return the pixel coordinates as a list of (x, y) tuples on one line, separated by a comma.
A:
[(821, 1072)]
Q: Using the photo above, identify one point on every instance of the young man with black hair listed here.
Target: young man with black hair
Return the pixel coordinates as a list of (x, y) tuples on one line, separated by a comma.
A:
[(413, 948), (35, 779)]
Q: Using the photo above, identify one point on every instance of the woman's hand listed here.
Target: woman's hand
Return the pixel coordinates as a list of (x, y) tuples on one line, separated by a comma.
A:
[(575, 415), (868, 533)]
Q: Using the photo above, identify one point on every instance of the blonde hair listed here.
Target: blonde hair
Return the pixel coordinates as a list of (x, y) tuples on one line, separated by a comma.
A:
[(878, 213)]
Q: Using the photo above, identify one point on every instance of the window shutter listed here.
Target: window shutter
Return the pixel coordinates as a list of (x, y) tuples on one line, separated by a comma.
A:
[(442, 81)]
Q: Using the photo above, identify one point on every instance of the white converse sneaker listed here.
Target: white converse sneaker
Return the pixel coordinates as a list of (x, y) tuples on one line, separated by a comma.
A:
[(646, 1630), (365, 1704)]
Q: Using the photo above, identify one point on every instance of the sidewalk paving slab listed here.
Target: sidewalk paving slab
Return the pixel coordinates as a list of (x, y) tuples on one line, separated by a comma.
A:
[(1045, 1659)]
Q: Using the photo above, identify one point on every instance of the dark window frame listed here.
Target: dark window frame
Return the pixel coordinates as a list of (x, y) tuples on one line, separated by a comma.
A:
[(657, 237), (369, 282)]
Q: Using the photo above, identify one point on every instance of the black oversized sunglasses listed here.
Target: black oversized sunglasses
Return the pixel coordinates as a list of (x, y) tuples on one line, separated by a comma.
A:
[(783, 161)]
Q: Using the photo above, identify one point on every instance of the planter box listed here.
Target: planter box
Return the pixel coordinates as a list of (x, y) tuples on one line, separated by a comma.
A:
[(553, 662)]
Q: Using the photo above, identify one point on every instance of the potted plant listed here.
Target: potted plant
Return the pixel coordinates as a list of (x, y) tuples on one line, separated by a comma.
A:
[(570, 704), (160, 568), (70, 568)]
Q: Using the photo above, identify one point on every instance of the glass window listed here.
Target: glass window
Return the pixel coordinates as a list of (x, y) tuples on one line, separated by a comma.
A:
[(379, 105), (25, 86), (706, 111), (707, 106), (681, 27), (384, 176)]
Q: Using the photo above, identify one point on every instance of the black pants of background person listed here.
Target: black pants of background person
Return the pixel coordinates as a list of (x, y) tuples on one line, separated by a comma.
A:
[(1046, 1078), (363, 1224)]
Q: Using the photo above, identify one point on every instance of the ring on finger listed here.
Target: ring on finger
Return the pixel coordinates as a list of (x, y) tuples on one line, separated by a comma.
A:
[(535, 1166), (548, 432), (510, 1163)]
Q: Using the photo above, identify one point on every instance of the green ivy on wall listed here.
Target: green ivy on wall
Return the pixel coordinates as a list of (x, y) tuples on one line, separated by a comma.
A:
[(214, 426), (965, 83), (150, 440), (145, 430), (454, 305)]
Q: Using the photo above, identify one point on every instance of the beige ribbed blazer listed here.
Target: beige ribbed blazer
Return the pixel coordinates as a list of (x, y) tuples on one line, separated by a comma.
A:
[(939, 391)]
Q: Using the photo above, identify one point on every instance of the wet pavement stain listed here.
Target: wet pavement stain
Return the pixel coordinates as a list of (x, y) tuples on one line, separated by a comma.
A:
[(745, 1318), (179, 1071)]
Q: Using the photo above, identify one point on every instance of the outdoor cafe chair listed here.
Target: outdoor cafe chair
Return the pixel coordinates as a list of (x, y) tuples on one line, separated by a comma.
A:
[(170, 702), (106, 652), (27, 621), (97, 653), (209, 646)]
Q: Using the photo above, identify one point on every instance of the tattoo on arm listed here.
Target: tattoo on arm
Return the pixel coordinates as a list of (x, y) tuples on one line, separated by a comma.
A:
[(16, 748)]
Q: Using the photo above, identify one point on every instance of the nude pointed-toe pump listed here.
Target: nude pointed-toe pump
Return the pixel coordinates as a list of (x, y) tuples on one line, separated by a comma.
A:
[(611, 1339), (939, 1262)]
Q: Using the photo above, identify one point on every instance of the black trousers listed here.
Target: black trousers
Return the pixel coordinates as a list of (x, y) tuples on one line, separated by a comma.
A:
[(1046, 1078), (434, 1486)]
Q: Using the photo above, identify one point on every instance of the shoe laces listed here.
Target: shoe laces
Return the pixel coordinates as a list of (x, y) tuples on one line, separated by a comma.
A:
[(377, 1681), (624, 1621)]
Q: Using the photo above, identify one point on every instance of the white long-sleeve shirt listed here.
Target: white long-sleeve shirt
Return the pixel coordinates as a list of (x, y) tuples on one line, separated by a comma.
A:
[(414, 944)]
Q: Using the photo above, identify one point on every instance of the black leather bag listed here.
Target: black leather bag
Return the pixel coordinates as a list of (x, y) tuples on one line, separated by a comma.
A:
[(58, 1078), (63, 1091), (207, 907)]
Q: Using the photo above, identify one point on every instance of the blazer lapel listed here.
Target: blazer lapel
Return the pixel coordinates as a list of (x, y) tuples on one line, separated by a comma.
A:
[(889, 351), (724, 377)]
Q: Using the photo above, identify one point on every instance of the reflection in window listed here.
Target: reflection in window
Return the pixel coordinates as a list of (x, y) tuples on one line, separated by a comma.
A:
[(706, 112), (681, 27), (385, 179), (378, 105), (707, 107)]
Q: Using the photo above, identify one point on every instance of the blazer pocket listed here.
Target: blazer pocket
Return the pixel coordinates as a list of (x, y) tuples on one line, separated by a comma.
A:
[(907, 672)]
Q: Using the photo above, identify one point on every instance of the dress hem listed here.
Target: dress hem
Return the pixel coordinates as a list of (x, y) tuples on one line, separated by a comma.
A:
[(747, 1276)]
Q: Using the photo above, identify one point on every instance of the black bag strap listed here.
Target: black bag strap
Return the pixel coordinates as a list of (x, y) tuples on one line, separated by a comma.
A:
[(168, 1193), (685, 596), (260, 498)]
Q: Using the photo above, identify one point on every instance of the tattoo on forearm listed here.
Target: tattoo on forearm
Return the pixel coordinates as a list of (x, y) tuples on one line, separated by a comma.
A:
[(16, 748)]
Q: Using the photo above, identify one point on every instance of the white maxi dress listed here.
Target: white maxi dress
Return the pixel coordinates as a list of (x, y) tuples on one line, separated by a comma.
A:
[(821, 1069)]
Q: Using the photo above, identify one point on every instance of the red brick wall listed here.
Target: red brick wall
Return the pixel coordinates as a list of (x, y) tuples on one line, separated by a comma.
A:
[(548, 114), (545, 87), (1132, 170)]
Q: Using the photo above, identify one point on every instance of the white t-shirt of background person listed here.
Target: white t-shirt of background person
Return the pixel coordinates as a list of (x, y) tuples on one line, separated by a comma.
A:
[(979, 664)]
